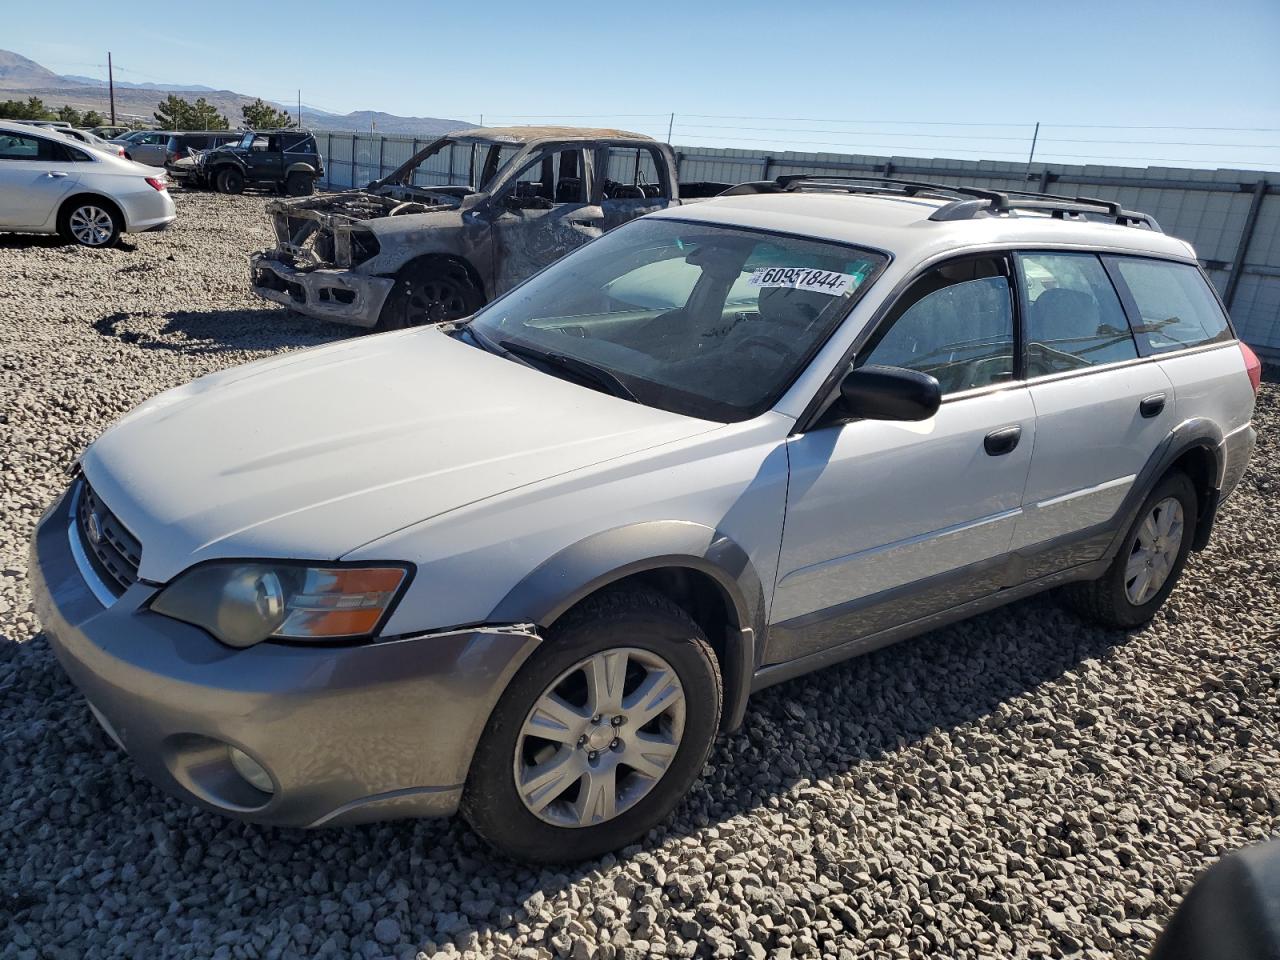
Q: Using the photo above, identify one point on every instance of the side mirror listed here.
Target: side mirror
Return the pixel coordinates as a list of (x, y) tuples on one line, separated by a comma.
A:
[(890, 393)]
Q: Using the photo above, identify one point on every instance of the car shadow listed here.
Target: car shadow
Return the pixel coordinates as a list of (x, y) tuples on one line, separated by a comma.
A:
[(52, 241), (846, 719), (221, 331)]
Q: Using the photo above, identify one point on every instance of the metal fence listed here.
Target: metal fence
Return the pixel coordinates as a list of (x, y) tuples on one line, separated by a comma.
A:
[(1232, 217)]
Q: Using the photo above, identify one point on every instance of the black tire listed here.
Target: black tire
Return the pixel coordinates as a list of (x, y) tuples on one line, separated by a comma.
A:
[(229, 180), (639, 620), (77, 218), (436, 293), (299, 185), (1107, 600)]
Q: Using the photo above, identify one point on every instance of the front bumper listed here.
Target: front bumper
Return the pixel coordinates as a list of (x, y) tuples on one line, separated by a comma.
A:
[(348, 734), (338, 295)]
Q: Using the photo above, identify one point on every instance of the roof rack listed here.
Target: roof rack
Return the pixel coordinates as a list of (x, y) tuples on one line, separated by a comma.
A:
[(966, 203)]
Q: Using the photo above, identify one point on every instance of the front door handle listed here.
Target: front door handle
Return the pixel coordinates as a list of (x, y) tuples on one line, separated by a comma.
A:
[(1152, 405), (1002, 441)]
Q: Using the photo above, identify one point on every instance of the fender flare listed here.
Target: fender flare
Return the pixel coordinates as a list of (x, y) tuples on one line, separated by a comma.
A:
[(423, 259), (1198, 433), (300, 167), (581, 569)]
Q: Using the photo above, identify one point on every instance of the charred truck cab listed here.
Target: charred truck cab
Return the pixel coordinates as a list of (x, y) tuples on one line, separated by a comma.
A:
[(461, 221)]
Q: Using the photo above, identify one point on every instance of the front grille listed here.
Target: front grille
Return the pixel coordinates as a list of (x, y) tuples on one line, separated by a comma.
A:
[(114, 552)]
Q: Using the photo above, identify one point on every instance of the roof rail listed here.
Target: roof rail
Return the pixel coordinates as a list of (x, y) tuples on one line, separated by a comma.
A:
[(967, 203)]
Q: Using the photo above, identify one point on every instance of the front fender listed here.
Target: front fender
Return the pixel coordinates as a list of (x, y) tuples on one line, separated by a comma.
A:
[(589, 565)]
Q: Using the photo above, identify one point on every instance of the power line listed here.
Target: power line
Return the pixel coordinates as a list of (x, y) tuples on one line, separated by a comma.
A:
[(969, 136), (1012, 153), (975, 123)]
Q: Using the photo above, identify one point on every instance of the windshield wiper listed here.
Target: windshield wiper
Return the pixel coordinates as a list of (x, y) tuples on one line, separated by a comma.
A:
[(581, 369)]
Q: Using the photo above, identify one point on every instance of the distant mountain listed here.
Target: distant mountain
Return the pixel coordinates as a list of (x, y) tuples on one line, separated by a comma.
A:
[(17, 69), (136, 102), (167, 87)]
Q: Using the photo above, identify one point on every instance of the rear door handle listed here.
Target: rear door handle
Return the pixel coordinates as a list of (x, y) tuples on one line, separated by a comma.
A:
[(1152, 405), (56, 174), (1002, 441)]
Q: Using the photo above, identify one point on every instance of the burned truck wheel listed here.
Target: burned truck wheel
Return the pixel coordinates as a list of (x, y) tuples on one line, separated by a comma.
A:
[(229, 180), (435, 293), (299, 184)]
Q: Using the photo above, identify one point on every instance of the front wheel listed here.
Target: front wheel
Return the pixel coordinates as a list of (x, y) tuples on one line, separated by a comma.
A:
[(230, 180), (437, 293), (1146, 569), (600, 735)]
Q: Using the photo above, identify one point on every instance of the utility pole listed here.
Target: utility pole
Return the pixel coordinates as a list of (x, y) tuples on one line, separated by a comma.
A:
[(111, 86), (299, 108), (1034, 137), (670, 126)]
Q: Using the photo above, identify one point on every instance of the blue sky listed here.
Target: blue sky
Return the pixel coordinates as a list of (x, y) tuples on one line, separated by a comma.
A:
[(1125, 83)]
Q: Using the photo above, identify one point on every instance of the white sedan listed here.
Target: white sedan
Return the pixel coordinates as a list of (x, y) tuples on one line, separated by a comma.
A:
[(51, 184)]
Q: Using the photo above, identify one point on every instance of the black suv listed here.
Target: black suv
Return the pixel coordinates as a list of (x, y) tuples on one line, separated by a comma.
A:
[(286, 159)]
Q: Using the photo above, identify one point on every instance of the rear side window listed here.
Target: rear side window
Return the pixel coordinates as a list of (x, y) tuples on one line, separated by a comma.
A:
[(954, 323), (1176, 306), (632, 173), (14, 146), (1074, 317)]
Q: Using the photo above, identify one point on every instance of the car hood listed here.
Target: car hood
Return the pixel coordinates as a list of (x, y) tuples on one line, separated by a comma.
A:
[(312, 454)]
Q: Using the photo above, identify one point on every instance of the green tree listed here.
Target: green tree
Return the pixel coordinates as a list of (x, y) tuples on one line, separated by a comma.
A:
[(263, 116), (33, 109), (69, 114), (177, 113), (92, 118)]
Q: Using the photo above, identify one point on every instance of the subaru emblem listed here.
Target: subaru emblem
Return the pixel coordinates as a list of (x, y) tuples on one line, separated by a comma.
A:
[(94, 531)]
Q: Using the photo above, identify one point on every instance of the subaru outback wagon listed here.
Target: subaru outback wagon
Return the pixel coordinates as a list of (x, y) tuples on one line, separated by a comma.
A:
[(529, 565)]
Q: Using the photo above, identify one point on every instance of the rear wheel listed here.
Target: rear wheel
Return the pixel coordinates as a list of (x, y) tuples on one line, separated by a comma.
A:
[(229, 180), (1150, 560), (299, 184), (437, 293), (600, 735), (91, 222)]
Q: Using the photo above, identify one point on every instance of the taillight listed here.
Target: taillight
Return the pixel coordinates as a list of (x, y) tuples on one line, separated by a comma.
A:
[(1252, 366), (120, 151), (157, 183)]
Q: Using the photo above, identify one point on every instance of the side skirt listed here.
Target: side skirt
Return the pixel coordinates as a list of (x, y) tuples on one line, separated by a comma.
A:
[(777, 673)]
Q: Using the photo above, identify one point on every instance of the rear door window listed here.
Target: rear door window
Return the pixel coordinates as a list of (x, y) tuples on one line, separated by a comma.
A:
[(633, 173), (1073, 315), (1176, 308)]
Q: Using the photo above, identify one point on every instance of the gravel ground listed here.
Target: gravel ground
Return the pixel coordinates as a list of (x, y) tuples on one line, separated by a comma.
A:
[(1018, 785)]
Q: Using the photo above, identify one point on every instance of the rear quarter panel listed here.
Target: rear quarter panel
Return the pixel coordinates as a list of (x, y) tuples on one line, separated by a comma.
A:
[(1211, 384)]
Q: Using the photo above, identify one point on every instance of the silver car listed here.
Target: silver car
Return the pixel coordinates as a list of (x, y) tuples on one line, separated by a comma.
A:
[(146, 146), (52, 184)]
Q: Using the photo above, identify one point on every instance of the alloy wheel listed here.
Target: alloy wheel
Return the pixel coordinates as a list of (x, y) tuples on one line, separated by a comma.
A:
[(435, 301), (91, 226), (600, 737), (1155, 551)]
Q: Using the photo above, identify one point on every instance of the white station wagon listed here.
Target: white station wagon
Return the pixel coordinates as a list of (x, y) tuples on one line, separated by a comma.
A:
[(530, 564)]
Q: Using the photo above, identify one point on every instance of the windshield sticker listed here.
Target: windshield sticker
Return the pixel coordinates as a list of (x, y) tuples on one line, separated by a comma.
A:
[(804, 278)]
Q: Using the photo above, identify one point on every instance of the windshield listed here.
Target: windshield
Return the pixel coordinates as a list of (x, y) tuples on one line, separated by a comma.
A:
[(456, 162), (703, 320)]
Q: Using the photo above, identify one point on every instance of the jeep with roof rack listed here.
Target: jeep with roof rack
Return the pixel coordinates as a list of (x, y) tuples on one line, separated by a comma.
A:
[(529, 565), (466, 218)]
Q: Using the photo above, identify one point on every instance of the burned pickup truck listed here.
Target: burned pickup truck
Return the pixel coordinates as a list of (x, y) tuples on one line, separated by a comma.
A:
[(460, 222)]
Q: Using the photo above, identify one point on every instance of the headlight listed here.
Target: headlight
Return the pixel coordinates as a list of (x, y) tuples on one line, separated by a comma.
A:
[(245, 603)]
